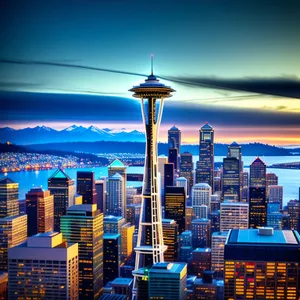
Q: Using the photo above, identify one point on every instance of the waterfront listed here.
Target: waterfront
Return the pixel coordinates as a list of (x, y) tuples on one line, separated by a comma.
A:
[(288, 178)]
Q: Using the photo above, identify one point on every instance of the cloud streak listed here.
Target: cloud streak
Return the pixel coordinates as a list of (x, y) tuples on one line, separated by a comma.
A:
[(278, 86)]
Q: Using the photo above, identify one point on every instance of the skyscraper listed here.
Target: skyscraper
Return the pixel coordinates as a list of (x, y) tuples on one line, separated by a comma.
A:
[(262, 264), (9, 198), (293, 207), (40, 210), (170, 233), (100, 186), (201, 195), (257, 207), (187, 169), (201, 233), (231, 182), (150, 245), (111, 256), (199, 261), (113, 224), (218, 240), (271, 179), (234, 215), (13, 231), (62, 187), (86, 187), (174, 138), (173, 158), (115, 198), (245, 186), (182, 182), (126, 241), (43, 267), (169, 175), (275, 194), (205, 165), (83, 224), (175, 204), (257, 173)]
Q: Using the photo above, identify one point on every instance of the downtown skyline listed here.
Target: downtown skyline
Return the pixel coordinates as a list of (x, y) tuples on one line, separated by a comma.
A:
[(246, 54)]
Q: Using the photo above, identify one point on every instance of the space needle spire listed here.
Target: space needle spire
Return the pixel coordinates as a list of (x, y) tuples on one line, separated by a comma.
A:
[(150, 245)]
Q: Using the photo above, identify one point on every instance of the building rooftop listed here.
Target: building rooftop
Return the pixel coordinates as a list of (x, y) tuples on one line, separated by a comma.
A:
[(181, 179), (116, 176), (59, 173), (109, 236), (6, 180), (234, 144), (258, 160), (111, 218), (202, 250), (202, 185), (165, 267), (168, 221), (174, 128), (220, 233), (252, 236), (200, 220), (116, 164), (206, 126), (122, 281), (82, 207)]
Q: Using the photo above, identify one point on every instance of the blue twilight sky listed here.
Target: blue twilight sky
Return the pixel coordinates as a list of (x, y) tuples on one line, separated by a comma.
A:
[(250, 48)]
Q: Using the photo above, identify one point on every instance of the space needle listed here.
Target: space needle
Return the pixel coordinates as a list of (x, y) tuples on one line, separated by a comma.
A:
[(150, 245)]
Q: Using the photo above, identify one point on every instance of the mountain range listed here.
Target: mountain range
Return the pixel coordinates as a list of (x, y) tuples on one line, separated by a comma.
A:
[(74, 133)]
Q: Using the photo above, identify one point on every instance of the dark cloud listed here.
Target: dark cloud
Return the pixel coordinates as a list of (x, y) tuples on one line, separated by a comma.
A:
[(49, 107), (279, 86)]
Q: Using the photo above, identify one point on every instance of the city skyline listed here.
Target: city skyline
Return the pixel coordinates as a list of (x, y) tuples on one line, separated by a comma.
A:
[(237, 70)]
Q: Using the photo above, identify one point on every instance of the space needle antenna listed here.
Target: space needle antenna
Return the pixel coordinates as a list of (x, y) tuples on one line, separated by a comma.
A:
[(152, 57)]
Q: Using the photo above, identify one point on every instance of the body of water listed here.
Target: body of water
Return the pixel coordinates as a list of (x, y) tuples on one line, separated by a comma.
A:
[(288, 178)]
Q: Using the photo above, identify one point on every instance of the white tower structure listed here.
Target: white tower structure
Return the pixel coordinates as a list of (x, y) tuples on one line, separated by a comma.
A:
[(150, 246)]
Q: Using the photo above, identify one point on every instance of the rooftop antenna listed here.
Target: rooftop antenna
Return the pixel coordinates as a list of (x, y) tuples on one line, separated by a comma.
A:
[(152, 56)]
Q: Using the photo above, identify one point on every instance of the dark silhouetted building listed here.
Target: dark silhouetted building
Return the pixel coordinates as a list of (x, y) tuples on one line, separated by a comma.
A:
[(86, 187), (169, 175), (257, 207), (100, 186), (201, 233), (199, 262), (173, 158), (174, 138), (231, 186), (187, 169)]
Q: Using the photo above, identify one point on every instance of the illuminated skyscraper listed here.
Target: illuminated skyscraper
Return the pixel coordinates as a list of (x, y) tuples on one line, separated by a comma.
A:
[(201, 233), (199, 261), (175, 204), (234, 215), (113, 224), (294, 212), (258, 173), (100, 186), (40, 209), (174, 138), (127, 241), (43, 267), (275, 194), (187, 169), (150, 245), (201, 195), (9, 198), (231, 182), (115, 198), (205, 165), (86, 187), (170, 233), (257, 207), (262, 264), (182, 182), (272, 179), (245, 186), (13, 231), (83, 224), (218, 240), (62, 187)]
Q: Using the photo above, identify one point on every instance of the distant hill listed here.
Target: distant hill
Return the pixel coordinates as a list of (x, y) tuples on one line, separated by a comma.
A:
[(58, 152), (44, 134), (252, 149)]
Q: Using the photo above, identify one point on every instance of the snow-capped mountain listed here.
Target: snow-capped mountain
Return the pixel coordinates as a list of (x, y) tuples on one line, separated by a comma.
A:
[(74, 133)]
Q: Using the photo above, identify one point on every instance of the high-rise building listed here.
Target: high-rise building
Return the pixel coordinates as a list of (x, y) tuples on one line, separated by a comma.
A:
[(115, 198), (274, 216), (170, 233), (271, 179), (182, 182), (201, 196), (201, 233), (173, 158), (245, 186), (215, 202), (113, 224), (199, 262), (133, 214), (9, 198), (215, 218), (162, 160), (185, 245), (86, 187), (188, 217), (100, 186), (44, 267), (130, 193), (234, 215), (62, 187), (218, 240), (257, 207), (150, 244), (121, 286), (262, 264), (111, 256), (175, 204), (167, 281), (257, 173), (83, 224), (205, 165), (169, 175), (3, 285), (13, 231), (127, 240), (187, 169), (235, 150), (40, 211), (275, 194), (117, 167), (293, 208), (174, 138), (231, 182)]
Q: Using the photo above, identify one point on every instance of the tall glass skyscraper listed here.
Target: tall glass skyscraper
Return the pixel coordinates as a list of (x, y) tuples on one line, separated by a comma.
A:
[(9, 198), (83, 224), (174, 138), (205, 165), (86, 187), (187, 169), (258, 173), (62, 187)]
